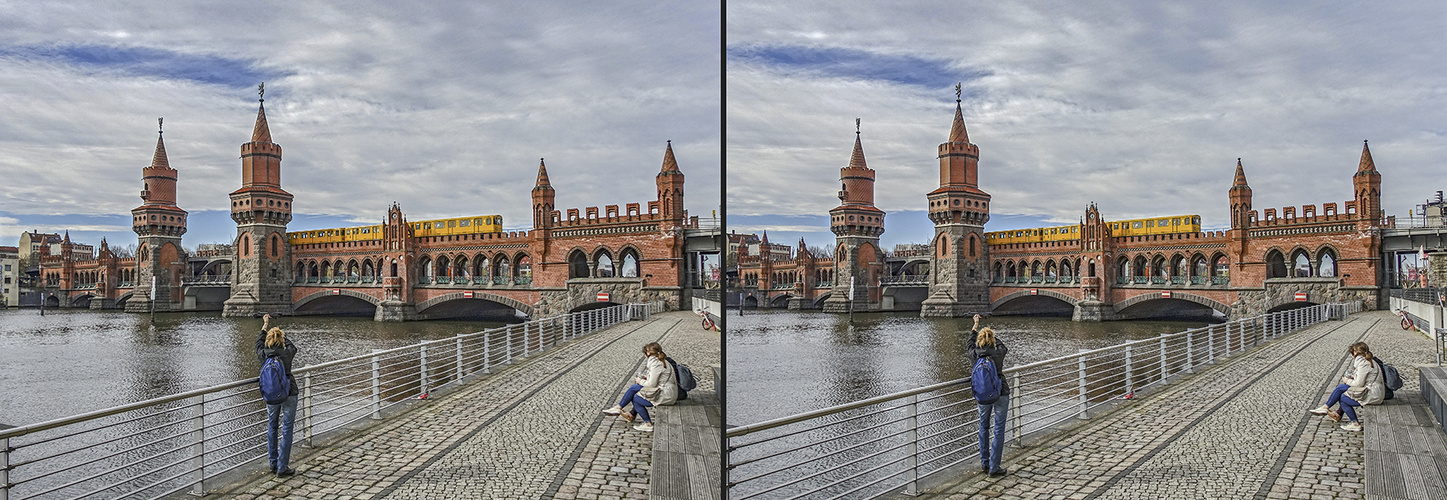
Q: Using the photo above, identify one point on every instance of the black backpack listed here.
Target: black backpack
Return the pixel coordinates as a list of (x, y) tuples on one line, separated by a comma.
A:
[(1391, 378)]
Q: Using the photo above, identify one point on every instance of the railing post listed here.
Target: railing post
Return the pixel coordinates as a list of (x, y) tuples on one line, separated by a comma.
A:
[(911, 488), (198, 446), (422, 370), (1017, 401), (306, 406), (460, 370), (486, 353), (1129, 373), (4, 468), (376, 386), (1163, 359), (507, 335), (1190, 355), (1080, 382), (527, 347)]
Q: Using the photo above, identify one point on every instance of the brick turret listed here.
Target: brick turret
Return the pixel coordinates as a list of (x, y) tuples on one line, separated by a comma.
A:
[(158, 224), (1367, 183), (959, 266), (261, 279), (856, 224), (543, 197), (670, 187)]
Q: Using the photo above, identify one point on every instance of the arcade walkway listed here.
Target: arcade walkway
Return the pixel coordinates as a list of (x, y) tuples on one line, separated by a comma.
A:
[(531, 430), (1239, 429)]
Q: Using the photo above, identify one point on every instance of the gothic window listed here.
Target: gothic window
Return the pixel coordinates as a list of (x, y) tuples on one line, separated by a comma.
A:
[(442, 268), (300, 272), (460, 268), (1222, 267), (245, 245), (275, 246), (504, 269), (1065, 269), (367, 269), (605, 264), (1275, 264), (484, 267), (1301, 264), (1327, 267), (525, 266), (630, 264), (425, 265), (1200, 267), (972, 245), (1139, 267), (577, 265), (1182, 266)]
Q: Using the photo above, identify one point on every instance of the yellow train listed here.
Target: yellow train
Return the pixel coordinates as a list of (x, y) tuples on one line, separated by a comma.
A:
[(1132, 227), (435, 227)]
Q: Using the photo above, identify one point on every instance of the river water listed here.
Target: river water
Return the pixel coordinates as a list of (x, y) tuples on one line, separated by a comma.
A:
[(782, 363), (74, 361)]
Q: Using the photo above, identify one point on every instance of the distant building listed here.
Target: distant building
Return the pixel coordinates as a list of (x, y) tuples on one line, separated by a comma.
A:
[(10, 276)]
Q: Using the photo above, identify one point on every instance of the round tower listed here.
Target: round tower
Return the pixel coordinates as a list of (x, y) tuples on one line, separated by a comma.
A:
[(959, 262), (261, 277), (856, 225), (158, 224)]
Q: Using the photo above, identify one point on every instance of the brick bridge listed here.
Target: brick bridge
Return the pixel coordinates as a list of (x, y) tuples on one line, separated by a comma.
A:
[(573, 260), (1098, 270)]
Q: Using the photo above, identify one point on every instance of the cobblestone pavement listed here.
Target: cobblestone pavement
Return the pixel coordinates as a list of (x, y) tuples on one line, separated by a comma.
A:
[(1238, 429), (508, 435), (615, 461)]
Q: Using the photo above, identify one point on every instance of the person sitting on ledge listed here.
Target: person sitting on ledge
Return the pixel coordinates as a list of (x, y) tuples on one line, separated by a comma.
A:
[(655, 385), (1361, 385)]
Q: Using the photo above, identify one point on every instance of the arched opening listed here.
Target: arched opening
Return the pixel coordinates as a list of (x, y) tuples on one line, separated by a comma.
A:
[(1123, 270), (1275, 264), (275, 246), (354, 271), (368, 270), (1220, 271), (1181, 268), (300, 272), (605, 264), (444, 270), (503, 274), (245, 245), (1065, 270), (394, 268), (1200, 270), (577, 265), (524, 269), (629, 268), (424, 265), (482, 268), (942, 245), (999, 273), (1010, 273), (326, 269), (1090, 271), (973, 244), (1300, 264), (1159, 271), (460, 269), (1138, 267), (1326, 267)]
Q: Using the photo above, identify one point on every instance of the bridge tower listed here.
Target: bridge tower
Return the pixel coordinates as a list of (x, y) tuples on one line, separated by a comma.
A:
[(670, 187), (1097, 254), (856, 224), (1368, 185), (399, 244), (261, 279), (959, 262), (1238, 237), (158, 224), (804, 263)]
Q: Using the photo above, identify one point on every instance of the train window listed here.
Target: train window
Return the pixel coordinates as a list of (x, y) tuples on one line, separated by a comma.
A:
[(427, 225), (1165, 222), (1195, 220), (464, 223), (452, 223), (1135, 225)]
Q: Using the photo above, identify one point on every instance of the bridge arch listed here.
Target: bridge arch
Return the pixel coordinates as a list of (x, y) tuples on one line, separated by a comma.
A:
[(121, 301), (780, 300), (1038, 293), (81, 300), (1175, 295), (516, 305), (328, 293), (213, 265)]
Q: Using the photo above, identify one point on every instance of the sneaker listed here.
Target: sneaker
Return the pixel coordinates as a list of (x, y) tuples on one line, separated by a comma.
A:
[(616, 410), (1334, 416), (984, 468), (999, 472), (290, 472), (1352, 426), (1320, 410), (648, 427), (627, 417)]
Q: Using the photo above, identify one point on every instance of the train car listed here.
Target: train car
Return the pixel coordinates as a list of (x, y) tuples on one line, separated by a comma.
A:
[(1132, 227), (426, 228)]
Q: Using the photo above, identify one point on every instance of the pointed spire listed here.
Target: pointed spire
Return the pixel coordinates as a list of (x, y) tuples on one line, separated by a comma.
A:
[(670, 165), (159, 160), (261, 133), (957, 129), (1366, 164), (856, 160), (67, 236), (543, 182), (1240, 177), (766, 237)]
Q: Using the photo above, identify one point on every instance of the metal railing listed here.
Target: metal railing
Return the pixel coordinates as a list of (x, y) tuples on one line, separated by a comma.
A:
[(906, 279), (165, 445), (888, 443), (1431, 296)]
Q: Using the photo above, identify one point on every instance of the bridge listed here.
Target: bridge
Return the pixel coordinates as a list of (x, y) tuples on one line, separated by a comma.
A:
[(1268, 260), (569, 261)]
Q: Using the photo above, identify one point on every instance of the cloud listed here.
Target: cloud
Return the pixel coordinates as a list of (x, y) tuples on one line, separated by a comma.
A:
[(444, 108), (1140, 108)]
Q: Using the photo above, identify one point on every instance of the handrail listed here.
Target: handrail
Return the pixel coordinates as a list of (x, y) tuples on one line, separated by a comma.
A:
[(934, 423)]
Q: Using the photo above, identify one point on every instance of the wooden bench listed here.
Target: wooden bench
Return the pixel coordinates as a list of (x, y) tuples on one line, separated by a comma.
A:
[(1405, 447), (686, 455)]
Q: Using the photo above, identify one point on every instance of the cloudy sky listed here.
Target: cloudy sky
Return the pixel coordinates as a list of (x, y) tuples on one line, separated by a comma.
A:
[(1138, 106), (445, 109)]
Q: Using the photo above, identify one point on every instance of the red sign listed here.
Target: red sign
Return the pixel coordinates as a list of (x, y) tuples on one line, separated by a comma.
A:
[(336, 291), (1166, 295), (1034, 291), (602, 296), (466, 295), (1301, 296)]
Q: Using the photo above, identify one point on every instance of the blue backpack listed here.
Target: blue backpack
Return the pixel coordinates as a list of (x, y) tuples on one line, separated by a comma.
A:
[(275, 385), (985, 381)]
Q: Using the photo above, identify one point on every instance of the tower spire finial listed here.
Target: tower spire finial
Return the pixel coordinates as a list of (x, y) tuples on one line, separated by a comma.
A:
[(159, 128), (957, 91), (856, 126), (261, 92)]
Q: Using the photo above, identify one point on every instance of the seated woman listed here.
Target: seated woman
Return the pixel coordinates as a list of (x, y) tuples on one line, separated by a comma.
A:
[(654, 385), (1362, 385)]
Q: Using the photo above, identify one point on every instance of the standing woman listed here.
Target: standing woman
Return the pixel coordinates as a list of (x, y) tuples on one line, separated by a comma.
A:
[(984, 344), (279, 417)]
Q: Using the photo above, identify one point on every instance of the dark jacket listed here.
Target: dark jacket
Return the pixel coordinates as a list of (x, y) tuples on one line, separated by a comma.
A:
[(286, 353), (996, 353)]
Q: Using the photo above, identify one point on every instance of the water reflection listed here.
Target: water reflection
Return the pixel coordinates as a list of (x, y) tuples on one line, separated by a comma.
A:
[(74, 361)]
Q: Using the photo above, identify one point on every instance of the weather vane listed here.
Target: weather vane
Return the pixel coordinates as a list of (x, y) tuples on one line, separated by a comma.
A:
[(957, 91), (856, 126), (159, 128), (261, 91)]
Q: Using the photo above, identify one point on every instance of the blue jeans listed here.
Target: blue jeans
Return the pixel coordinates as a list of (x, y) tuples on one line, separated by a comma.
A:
[(1348, 405), (628, 396), (279, 418), (990, 451), (642, 405)]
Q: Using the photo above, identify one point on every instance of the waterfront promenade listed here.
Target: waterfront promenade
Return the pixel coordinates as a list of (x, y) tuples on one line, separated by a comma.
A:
[(1237, 429), (530, 430)]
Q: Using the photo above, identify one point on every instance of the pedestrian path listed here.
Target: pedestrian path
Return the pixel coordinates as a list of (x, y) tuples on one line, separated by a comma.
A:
[(1238, 429), (518, 433)]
